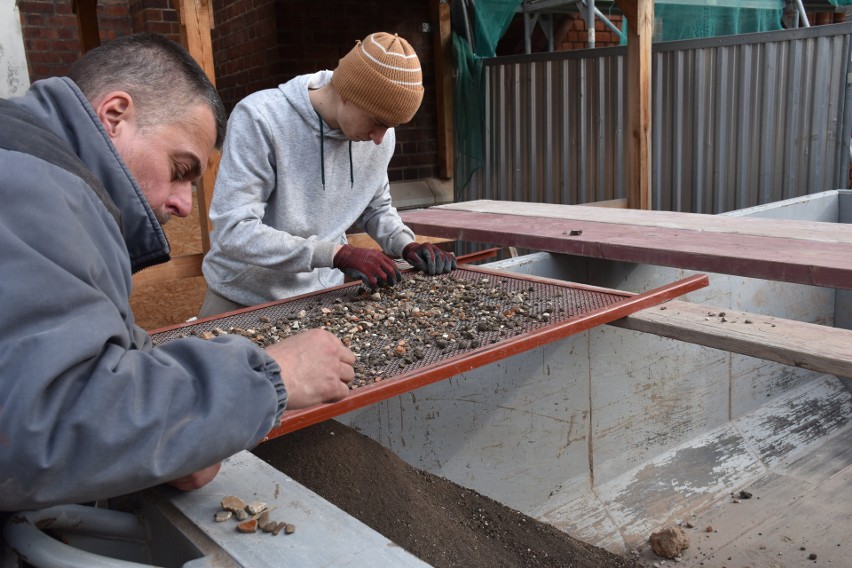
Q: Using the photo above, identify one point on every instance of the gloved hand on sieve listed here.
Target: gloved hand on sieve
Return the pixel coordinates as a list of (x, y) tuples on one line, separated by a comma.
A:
[(429, 258), (372, 266)]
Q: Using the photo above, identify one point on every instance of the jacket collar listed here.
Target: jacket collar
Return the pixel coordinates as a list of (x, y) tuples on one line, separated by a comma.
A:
[(63, 108)]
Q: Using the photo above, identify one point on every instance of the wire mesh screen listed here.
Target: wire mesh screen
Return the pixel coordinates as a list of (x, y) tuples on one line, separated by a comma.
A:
[(419, 322)]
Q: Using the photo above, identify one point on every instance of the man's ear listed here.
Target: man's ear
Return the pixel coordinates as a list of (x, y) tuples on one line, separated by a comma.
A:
[(116, 112)]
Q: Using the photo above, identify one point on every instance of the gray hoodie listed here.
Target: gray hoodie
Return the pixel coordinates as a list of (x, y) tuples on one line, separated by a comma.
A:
[(275, 223)]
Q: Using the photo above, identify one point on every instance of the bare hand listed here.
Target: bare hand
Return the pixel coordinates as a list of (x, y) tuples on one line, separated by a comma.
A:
[(196, 480), (315, 367)]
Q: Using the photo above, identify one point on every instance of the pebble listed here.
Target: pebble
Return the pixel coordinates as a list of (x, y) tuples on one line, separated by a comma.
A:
[(255, 507), (223, 516), (248, 526), (421, 320), (233, 504)]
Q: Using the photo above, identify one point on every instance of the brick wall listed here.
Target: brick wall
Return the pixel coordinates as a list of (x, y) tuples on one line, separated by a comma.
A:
[(260, 44), (156, 16), (49, 29), (257, 44), (575, 34)]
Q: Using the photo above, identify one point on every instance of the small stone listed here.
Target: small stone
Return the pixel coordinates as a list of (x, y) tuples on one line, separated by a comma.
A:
[(206, 335), (233, 504), (248, 526), (669, 542), (278, 528), (241, 515), (289, 529), (812, 556), (269, 526), (256, 507), (745, 495), (222, 516)]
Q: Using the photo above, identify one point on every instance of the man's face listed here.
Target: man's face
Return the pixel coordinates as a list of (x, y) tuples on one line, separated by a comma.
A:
[(359, 126), (166, 159)]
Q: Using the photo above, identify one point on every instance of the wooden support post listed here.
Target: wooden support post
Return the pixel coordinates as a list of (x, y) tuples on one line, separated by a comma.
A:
[(196, 21), (444, 86), (640, 34), (87, 23)]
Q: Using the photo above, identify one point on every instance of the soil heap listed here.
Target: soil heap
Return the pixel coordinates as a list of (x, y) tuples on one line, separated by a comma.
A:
[(440, 522)]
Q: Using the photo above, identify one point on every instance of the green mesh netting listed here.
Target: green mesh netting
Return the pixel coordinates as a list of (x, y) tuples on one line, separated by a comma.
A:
[(490, 20), (693, 19)]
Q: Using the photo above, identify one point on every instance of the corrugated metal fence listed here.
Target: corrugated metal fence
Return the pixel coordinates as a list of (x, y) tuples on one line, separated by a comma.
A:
[(737, 121)]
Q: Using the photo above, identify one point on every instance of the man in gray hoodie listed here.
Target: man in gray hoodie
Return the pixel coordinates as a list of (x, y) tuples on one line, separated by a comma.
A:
[(92, 164), (303, 163)]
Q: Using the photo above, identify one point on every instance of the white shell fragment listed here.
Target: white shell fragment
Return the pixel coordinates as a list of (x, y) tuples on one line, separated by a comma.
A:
[(256, 507)]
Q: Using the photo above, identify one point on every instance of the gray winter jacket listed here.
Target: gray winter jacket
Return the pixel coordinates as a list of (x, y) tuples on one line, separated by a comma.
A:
[(287, 191), (88, 409)]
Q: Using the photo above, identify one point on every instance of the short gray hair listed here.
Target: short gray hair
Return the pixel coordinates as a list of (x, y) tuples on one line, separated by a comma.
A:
[(160, 75)]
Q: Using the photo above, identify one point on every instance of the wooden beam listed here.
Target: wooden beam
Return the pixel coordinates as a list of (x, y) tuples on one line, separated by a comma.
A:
[(799, 344), (87, 23), (184, 266), (804, 252), (196, 21), (640, 34), (363, 240), (444, 86)]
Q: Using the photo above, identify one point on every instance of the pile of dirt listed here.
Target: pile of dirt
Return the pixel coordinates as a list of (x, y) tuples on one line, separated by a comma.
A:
[(440, 522)]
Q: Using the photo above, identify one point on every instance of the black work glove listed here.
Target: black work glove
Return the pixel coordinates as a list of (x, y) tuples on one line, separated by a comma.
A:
[(372, 266), (428, 258)]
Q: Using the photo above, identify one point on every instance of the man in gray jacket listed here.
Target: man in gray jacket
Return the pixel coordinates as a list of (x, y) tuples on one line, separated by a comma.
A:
[(303, 163), (92, 164)]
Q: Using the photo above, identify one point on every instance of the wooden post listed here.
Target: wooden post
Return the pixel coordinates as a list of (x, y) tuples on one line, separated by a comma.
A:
[(87, 23), (640, 34), (444, 86), (196, 21)]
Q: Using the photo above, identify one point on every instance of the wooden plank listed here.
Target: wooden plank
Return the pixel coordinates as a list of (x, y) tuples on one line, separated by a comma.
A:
[(87, 23), (196, 21), (444, 86), (787, 228), (804, 259), (799, 344), (185, 266), (363, 240), (640, 34)]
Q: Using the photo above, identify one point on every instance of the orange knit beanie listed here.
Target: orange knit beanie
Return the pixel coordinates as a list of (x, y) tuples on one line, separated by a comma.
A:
[(381, 75)]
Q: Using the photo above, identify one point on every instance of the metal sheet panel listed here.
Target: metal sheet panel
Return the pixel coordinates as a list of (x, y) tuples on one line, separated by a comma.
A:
[(737, 121)]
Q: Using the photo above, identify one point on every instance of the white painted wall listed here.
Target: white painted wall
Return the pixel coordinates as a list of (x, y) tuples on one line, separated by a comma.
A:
[(14, 77)]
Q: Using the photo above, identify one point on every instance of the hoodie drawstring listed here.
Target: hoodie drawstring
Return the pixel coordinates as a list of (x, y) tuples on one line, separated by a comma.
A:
[(322, 157)]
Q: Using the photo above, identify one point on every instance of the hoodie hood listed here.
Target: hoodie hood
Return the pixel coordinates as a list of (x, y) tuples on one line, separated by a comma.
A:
[(297, 94), (60, 105)]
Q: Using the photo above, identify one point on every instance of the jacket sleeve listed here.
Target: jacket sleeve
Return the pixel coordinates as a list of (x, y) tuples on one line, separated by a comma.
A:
[(245, 182), (381, 220), (87, 409)]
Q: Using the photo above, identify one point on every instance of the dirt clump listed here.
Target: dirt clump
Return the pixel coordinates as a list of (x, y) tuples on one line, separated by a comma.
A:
[(440, 522)]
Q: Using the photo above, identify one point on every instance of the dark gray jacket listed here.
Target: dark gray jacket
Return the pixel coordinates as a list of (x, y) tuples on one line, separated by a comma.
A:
[(88, 409)]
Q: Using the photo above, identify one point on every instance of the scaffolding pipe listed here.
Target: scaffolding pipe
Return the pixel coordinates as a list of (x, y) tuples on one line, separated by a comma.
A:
[(802, 14)]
